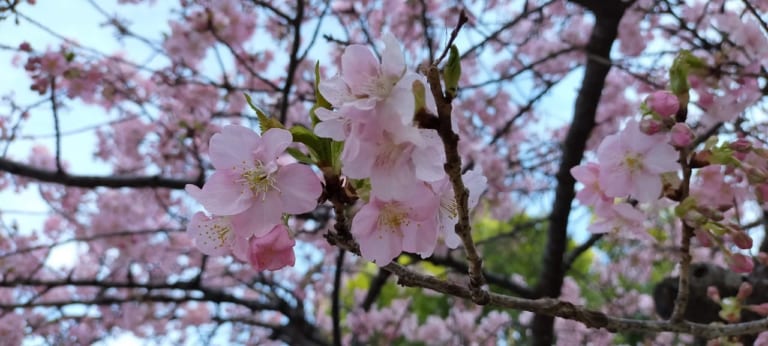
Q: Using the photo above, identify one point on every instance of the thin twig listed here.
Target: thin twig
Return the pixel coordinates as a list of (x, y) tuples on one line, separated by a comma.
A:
[(683, 291), (55, 111), (335, 309), (463, 19), (453, 170)]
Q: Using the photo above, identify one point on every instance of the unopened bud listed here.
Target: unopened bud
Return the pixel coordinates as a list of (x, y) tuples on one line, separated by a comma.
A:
[(741, 145), (745, 290), (740, 263), (742, 240), (761, 309), (663, 103), (650, 126), (681, 136), (703, 238), (713, 293), (25, 47)]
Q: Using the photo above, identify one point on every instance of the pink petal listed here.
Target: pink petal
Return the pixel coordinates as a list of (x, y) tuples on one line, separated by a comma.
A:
[(392, 58), (615, 181), (402, 104), (299, 188), (273, 144), (364, 222), (646, 187), (335, 91), (207, 234), (358, 66), (221, 195), (420, 237), (335, 129), (259, 219), (476, 183), (610, 151), (358, 157), (382, 247), (233, 146)]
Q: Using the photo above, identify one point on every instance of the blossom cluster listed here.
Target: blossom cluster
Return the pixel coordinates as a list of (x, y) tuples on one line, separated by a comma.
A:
[(411, 199), (248, 195), (638, 167)]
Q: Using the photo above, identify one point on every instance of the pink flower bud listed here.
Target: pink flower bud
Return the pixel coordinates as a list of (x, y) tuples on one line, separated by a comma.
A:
[(740, 263), (761, 309), (681, 135), (713, 293), (664, 103), (742, 240), (762, 258), (741, 145), (25, 47), (745, 290), (703, 238), (650, 126)]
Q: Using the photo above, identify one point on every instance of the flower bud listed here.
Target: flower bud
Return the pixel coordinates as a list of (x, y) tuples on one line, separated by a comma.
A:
[(740, 263), (742, 240), (650, 126), (745, 290), (761, 309), (681, 135), (25, 47), (713, 293), (703, 238), (762, 257), (664, 103), (741, 145)]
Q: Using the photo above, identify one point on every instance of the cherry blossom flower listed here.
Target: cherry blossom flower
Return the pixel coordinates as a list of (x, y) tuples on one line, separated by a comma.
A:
[(394, 161), (366, 83), (384, 228), (681, 135), (476, 183), (250, 184), (631, 163)]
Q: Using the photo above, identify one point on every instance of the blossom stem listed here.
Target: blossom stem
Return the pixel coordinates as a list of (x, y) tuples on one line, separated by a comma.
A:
[(453, 170), (681, 301)]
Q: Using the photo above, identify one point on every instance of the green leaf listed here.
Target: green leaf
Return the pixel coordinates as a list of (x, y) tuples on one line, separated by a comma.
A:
[(299, 156), (315, 144), (320, 101), (265, 122), (452, 72)]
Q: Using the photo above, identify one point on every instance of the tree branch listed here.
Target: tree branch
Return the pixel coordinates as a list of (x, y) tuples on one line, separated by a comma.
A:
[(63, 178)]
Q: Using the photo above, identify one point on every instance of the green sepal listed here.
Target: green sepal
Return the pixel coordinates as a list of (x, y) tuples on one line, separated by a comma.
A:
[(265, 122), (452, 72), (336, 149)]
